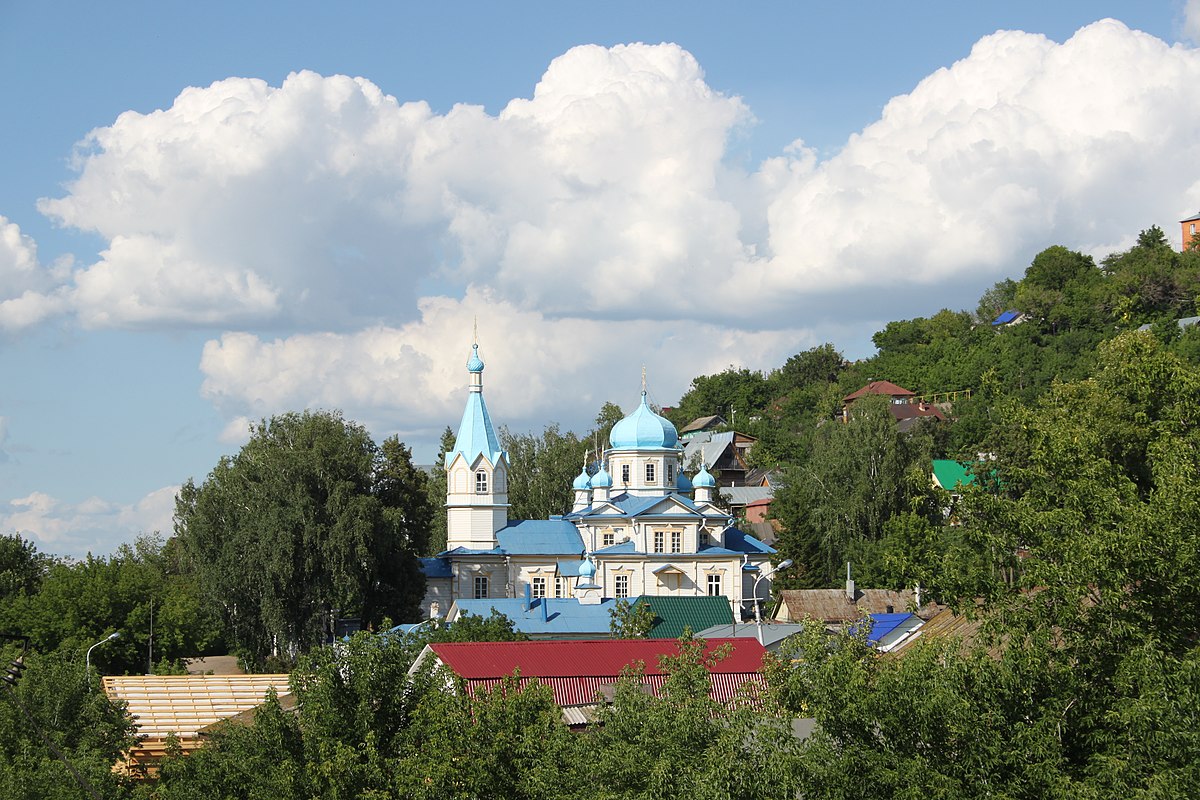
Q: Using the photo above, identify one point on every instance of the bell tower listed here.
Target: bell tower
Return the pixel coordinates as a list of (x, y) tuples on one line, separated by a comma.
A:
[(476, 473)]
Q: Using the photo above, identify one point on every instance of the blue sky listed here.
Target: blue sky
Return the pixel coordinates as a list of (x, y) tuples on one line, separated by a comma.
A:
[(213, 213)]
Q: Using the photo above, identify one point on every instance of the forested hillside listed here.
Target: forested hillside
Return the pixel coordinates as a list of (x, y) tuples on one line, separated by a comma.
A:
[(1077, 550)]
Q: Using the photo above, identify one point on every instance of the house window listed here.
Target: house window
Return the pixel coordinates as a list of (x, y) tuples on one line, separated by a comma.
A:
[(481, 587), (659, 542), (650, 472), (714, 585), (481, 482), (624, 473), (559, 588), (608, 538), (670, 474), (538, 587), (676, 541), (621, 586)]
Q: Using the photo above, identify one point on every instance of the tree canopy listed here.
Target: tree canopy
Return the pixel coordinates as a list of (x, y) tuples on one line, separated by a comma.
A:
[(309, 520)]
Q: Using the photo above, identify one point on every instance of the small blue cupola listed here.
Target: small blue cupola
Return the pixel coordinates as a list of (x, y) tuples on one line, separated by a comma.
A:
[(601, 484), (704, 484), (582, 487)]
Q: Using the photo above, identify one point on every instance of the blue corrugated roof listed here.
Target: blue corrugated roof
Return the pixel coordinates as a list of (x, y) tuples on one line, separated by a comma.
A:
[(436, 567), (542, 537), (741, 542), (624, 548), (563, 616), (1006, 317)]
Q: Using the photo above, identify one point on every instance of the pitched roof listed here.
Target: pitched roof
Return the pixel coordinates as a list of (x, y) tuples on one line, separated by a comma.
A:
[(543, 537), (673, 614), (831, 606), (747, 495), (562, 616), (879, 387), (949, 474), (946, 624), (701, 423), (586, 657), (580, 672), (1006, 317), (772, 632), (184, 704)]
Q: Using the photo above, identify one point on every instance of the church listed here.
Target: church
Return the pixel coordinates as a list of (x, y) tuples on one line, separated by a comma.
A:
[(637, 526)]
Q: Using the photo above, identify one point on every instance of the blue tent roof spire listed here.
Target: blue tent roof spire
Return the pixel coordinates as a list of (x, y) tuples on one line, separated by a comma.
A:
[(476, 435)]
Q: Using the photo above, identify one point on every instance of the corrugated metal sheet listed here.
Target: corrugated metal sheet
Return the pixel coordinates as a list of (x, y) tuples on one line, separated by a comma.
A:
[(673, 614), (944, 625), (591, 690), (745, 495), (598, 658)]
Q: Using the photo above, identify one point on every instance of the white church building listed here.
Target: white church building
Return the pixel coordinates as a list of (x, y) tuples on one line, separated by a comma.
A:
[(637, 526)]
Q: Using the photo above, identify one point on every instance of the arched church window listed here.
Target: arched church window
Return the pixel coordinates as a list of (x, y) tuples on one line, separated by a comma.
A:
[(481, 482)]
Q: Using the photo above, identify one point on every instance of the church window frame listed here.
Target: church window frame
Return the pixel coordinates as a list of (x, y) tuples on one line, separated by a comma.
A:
[(660, 541), (651, 478), (480, 587), (670, 474), (676, 541), (714, 584), (559, 586), (625, 473), (608, 538), (621, 586), (537, 586), (481, 481)]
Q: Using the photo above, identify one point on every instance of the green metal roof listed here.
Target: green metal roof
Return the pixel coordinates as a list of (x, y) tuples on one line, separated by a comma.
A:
[(673, 614), (950, 474)]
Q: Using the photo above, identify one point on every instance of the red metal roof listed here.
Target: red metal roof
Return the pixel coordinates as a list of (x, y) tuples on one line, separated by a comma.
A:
[(579, 672), (879, 387), (603, 658)]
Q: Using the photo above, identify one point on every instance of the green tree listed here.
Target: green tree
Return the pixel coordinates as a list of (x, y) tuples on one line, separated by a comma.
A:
[(833, 507), (631, 620), (22, 567), (79, 603), (435, 489), (541, 470), (309, 520), (53, 701)]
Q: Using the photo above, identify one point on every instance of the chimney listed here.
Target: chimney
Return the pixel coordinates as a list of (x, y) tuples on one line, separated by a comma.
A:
[(850, 593), (528, 596), (545, 611)]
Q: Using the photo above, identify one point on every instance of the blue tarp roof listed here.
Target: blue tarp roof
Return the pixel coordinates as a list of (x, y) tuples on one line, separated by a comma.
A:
[(541, 537)]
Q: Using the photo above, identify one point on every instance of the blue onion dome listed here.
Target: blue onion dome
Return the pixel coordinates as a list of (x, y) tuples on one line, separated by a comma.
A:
[(683, 483), (643, 428), (475, 363), (587, 570), (582, 481), (602, 480), (704, 479)]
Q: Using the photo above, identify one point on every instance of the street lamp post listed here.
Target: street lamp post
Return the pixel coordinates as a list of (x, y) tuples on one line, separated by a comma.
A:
[(87, 661), (787, 562)]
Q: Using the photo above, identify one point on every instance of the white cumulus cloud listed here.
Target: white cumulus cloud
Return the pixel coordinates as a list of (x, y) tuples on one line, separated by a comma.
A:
[(412, 379), (93, 525), (27, 289)]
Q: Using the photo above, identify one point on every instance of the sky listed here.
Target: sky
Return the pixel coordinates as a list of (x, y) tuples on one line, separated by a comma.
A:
[(212, 213)]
